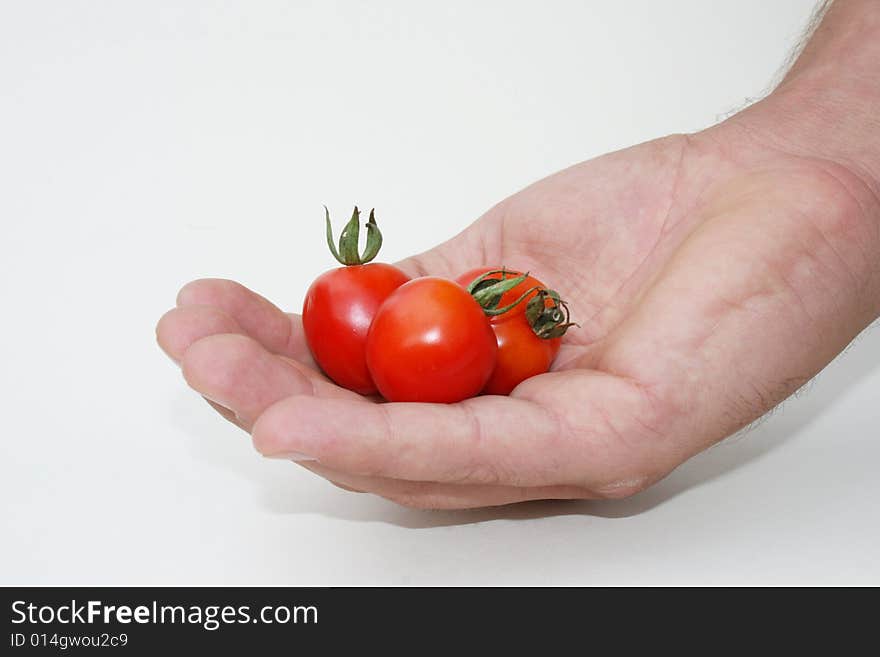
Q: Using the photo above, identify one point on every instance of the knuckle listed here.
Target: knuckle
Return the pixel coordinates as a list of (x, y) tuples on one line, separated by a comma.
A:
[(203, 290)]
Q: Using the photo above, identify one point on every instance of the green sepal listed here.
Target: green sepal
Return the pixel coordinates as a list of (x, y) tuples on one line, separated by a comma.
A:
[(374, 240), (551, 321), (347, 253), (330, 236), (489, 295), (488, 291), (348, 239)]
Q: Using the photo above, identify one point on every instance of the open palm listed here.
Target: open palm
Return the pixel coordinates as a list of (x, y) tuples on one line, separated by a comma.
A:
[(711, 274)]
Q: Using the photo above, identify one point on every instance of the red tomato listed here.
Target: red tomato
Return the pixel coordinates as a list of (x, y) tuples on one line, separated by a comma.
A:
[(337, 313), (521, 353), (430, 342), (340, 305)]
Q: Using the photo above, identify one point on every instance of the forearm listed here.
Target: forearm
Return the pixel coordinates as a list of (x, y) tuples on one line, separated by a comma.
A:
[(828, 104)]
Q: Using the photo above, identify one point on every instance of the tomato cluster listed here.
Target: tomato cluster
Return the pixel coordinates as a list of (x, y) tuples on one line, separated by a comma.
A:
[(372, 329)]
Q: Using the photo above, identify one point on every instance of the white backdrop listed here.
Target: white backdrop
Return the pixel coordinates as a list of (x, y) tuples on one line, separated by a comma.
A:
[(143, 144)]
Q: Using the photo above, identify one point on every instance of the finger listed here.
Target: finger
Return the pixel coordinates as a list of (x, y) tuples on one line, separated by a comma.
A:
[(238, 373), (558, 433), (279, 332), (180, 327), (428, 495)]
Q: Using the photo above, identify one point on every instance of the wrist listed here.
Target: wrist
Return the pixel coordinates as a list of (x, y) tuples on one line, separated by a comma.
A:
[(828, 105)]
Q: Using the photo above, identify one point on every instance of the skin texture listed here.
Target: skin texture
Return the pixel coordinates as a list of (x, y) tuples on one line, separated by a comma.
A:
[(716, 273), (337, 312), (430, 342), (521, 353)]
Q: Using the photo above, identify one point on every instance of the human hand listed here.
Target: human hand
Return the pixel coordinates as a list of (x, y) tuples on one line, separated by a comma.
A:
[(712, 275)]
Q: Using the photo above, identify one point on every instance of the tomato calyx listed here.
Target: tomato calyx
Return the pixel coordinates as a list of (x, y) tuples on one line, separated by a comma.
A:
[(348, 254), (551, 320), (488, 291), (546, 312)]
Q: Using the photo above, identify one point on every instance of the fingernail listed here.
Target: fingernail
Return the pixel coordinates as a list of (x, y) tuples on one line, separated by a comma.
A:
[(292, 456), (216, 401)]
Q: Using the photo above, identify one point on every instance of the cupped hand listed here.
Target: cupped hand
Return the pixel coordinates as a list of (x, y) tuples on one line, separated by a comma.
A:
[(711, 275)]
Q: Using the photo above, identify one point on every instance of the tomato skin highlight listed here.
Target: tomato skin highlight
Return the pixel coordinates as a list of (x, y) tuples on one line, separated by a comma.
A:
[(521, 353), (430, 342), (337, 312)]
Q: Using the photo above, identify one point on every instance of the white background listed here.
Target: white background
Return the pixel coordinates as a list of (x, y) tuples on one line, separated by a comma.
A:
[(146, 144)]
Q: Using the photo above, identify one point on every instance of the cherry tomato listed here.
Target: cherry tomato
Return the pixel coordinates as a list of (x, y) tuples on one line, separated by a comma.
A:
[(337, 313), (521, 353), (340, 305), (430, 342)]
